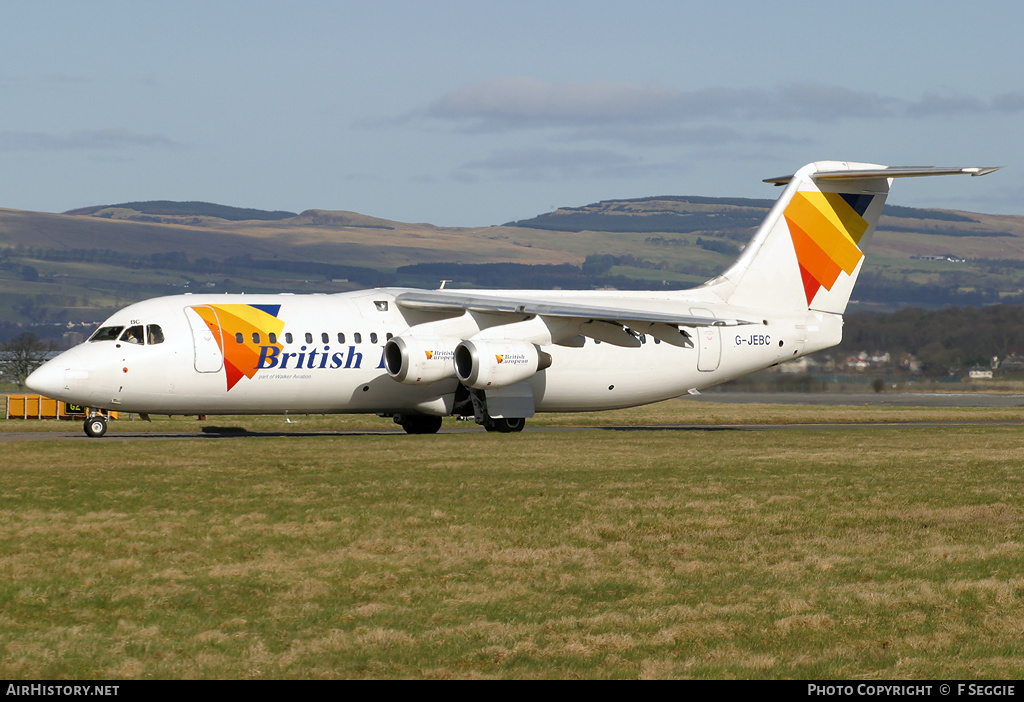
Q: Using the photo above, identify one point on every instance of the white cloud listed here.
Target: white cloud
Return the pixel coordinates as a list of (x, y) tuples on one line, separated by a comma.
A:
[(95, 140), (933, 104), (505, 103), (703, 135), (541, 163), (514, 103)]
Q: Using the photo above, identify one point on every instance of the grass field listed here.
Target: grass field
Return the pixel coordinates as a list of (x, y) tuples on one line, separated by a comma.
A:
[(875, 552)]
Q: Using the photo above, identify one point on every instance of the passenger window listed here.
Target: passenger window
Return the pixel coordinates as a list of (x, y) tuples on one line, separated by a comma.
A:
[(309, 338), (256, 337), (341, 338), (357, 337), (272, 337), (154, 334), (287, 337), (388, 336), (324, 338), (133, 335), (239, 339), (106, 334), (373, 337)]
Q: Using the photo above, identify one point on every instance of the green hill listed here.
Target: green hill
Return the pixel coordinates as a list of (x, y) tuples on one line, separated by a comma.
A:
[(683, 214), (179, 209)]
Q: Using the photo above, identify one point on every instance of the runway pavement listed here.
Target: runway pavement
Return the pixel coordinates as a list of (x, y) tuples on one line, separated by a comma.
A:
[(878, 399), (883, 399)]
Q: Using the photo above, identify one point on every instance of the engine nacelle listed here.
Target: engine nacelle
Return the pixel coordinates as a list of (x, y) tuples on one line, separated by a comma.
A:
[(483, 364), (420, 361)]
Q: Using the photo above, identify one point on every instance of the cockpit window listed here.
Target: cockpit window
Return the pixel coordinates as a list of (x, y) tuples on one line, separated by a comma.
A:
[(154, 334), (106, 334), (133, 335)]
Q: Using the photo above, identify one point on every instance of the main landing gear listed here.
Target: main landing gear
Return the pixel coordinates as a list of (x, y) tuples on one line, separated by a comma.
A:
[(504, 425), (418, 423), (425, 424), (470, 402), (96, 426)]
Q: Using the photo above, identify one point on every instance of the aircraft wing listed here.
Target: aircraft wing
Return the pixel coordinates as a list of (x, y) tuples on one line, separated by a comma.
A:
[(444, 301)]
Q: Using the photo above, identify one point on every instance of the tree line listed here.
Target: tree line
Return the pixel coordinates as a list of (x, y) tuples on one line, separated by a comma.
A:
[(944, 341)]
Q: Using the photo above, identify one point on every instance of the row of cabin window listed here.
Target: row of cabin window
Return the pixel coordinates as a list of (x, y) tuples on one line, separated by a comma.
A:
[(325, 338)]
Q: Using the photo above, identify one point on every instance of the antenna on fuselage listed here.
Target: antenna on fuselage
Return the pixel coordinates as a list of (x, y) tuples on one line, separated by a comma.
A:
[(443, 284)]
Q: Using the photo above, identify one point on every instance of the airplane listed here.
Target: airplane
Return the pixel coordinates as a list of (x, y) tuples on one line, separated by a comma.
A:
[(498, 356)]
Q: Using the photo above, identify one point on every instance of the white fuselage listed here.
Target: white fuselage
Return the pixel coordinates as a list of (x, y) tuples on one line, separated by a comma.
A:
[(327, 356)]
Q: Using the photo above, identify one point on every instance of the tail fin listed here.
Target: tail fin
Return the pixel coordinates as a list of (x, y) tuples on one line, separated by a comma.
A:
[(810, 249)]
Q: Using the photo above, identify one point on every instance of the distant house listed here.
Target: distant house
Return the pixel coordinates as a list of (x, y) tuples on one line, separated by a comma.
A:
[(864, 361), (1013, 362), (909, 362), (803, 365)]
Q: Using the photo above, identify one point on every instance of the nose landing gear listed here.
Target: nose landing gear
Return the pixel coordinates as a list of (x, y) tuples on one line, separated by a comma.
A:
[(96, 426)]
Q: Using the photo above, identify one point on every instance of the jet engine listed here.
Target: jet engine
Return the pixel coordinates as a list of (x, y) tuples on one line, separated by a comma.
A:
[(419, 361), (483, 364)]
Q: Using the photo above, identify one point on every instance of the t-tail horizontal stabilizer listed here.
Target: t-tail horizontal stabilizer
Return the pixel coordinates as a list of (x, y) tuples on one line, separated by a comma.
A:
[(891, 172), (810, 249)]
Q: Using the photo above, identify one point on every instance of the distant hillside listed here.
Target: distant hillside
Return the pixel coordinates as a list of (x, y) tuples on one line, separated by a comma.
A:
[(62, 269), (683, 215), (328, 218), (208, 214), (160, 208)]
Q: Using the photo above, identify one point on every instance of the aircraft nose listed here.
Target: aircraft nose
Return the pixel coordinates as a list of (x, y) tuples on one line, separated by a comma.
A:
[(47, 379)]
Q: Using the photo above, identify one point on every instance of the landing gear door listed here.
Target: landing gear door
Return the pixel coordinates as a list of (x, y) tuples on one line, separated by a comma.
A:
[(709, 346), (207, 338)]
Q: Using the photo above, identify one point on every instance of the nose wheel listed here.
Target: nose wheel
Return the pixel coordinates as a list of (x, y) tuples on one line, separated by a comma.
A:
[(96, 426)]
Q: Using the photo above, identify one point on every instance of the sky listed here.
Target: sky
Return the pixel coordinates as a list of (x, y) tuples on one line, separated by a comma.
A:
[(479, 113)]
